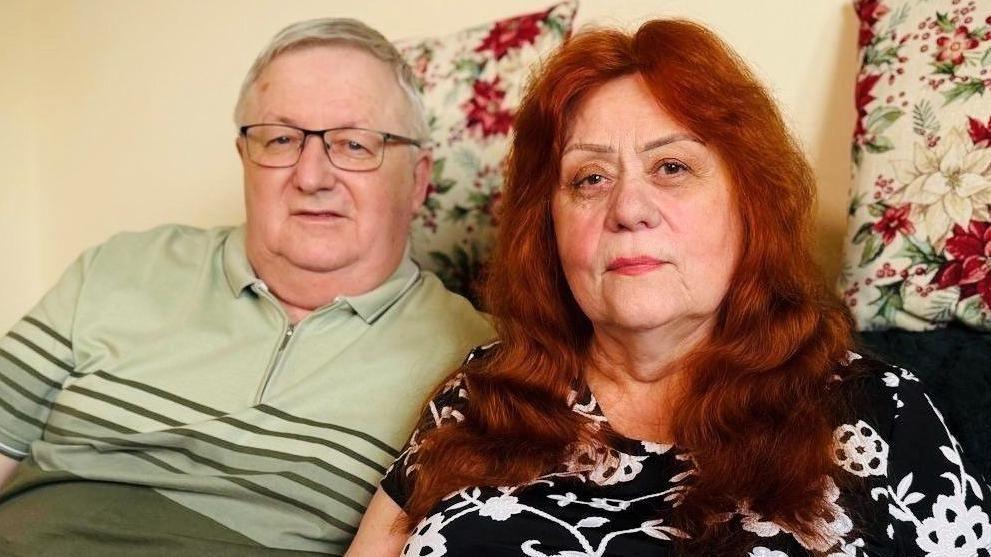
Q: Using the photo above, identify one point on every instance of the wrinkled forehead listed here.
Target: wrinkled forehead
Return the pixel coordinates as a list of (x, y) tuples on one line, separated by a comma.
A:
[(324, 86), (622, 109)]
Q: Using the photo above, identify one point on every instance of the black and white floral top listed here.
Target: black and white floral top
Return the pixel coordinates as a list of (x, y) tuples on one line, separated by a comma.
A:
[(918, 496)]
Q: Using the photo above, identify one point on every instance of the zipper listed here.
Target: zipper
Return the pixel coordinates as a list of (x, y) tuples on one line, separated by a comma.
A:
[(273, 369), (290, 329)]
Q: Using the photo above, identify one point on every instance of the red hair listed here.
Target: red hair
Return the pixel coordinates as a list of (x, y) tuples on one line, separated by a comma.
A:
[(757, 412)]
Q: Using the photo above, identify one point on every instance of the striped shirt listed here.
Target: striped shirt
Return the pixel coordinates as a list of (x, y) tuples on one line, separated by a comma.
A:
[(161, 361)]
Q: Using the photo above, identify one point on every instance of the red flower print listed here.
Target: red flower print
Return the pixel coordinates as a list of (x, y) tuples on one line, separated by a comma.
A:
[(485, 111), (868, 11), (494, 207), (953, 48), (512, 33), (980, 133), (970, 268), (893, 221), (864, 98)]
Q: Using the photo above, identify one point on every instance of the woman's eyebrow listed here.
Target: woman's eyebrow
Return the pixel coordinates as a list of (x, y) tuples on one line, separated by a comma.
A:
[(673, 138), (593, 147)]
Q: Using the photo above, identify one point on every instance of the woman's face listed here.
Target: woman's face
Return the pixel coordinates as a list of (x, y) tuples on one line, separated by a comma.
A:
[(646, 228)]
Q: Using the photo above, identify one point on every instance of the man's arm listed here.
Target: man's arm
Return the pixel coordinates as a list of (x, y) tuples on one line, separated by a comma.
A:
[(36, 357), (377, 536), (7, 466)]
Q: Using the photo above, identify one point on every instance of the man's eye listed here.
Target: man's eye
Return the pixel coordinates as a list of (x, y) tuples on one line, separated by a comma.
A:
[(281, 140), (350, 147)]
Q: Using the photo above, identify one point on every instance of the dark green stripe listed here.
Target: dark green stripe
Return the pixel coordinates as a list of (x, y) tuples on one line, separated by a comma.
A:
[(265, 492), (291, 476), (134, 408), (274, 412), (24, 392), (299, 505), (160, 393), (20, 415), (278, 455), (271, 411), (224, 444), (49, 330), (91, 418), (306, 438), (239, 424), (37, 375), (41, 352)]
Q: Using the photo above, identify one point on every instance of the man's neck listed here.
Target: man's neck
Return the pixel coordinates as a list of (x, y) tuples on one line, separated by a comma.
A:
[(301, 291)]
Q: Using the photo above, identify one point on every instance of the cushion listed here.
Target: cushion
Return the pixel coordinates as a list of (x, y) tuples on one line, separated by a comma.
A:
[(918, 246), (952, 363), (472, 82)]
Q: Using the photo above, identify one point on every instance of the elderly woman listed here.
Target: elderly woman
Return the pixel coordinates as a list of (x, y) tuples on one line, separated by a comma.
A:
[(673, 377)]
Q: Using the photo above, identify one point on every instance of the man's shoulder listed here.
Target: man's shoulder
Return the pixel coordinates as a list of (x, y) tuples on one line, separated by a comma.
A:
[(156, 252), (167, 236), (436, 307)]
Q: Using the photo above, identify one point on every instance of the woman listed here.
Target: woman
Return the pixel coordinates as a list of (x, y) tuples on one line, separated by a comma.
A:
[(672, 376)]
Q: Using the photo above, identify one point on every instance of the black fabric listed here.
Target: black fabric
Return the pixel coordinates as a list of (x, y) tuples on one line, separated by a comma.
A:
[(901, 488), (955, 365)]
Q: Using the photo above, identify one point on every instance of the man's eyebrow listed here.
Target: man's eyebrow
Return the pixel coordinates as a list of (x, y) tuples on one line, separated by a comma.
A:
[(668, 139), (593, 147)]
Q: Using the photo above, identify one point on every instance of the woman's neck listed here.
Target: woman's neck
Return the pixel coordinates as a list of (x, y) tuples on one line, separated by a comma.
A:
[(636, 377)]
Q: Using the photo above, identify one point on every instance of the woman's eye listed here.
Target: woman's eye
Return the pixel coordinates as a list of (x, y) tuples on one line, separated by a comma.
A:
[(671, 168), (589, 180)]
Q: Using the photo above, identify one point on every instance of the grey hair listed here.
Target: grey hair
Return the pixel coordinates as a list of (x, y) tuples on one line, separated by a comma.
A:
[(336, 31)]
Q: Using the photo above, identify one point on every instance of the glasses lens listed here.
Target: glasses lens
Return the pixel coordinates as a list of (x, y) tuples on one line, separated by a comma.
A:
[(271, 145), (354, 149)]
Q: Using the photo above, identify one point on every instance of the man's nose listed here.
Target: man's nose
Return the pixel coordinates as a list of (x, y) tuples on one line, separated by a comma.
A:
[(314, 171)]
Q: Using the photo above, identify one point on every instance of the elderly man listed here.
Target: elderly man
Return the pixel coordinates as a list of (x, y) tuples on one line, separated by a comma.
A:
[(241, 390)]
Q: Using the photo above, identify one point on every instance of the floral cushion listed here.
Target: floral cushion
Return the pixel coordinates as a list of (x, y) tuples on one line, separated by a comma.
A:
[(918, 250), (472, 83)]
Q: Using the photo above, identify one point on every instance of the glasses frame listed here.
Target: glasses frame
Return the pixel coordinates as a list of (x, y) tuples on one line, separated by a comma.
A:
[(387, 138)]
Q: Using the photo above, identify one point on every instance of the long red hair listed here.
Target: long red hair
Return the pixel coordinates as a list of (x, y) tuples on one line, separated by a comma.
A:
[(757, 413)]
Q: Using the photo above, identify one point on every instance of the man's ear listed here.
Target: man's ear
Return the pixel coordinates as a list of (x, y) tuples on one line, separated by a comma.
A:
[(239, 146), (422, 173)]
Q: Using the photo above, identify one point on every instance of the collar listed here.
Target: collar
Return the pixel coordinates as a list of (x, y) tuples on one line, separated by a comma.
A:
[(372, 304), (369, 306), (237, 269)]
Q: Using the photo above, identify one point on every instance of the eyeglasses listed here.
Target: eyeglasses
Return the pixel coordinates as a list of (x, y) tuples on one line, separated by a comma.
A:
[(355, 149)]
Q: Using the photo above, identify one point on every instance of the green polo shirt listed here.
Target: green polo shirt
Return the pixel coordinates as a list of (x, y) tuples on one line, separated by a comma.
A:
[(161, 382)]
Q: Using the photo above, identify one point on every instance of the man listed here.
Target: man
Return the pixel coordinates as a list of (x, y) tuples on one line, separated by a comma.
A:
[(242, 390)]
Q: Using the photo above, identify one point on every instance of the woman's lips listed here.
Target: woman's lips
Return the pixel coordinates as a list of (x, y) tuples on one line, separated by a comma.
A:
[(634, 265)]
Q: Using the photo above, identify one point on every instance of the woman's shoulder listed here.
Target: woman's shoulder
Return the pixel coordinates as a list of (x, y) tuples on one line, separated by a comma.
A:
[(926, 497)]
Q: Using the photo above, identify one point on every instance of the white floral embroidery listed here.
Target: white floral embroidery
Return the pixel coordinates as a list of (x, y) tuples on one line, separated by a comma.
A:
[(860, 450), (831, 533), (656, 448), (427, 540), (954, 530), (765, 552), (500, 508), (656, 529), (851, 549), (603, 465)]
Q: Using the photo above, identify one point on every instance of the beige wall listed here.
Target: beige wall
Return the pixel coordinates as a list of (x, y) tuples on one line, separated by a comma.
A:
[(116, 114)]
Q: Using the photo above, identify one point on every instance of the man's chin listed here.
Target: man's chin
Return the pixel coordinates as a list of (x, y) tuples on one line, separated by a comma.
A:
[(321, 263)]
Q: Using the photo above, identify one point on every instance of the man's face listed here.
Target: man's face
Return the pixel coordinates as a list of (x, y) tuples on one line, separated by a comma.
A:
[(314, 216)]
